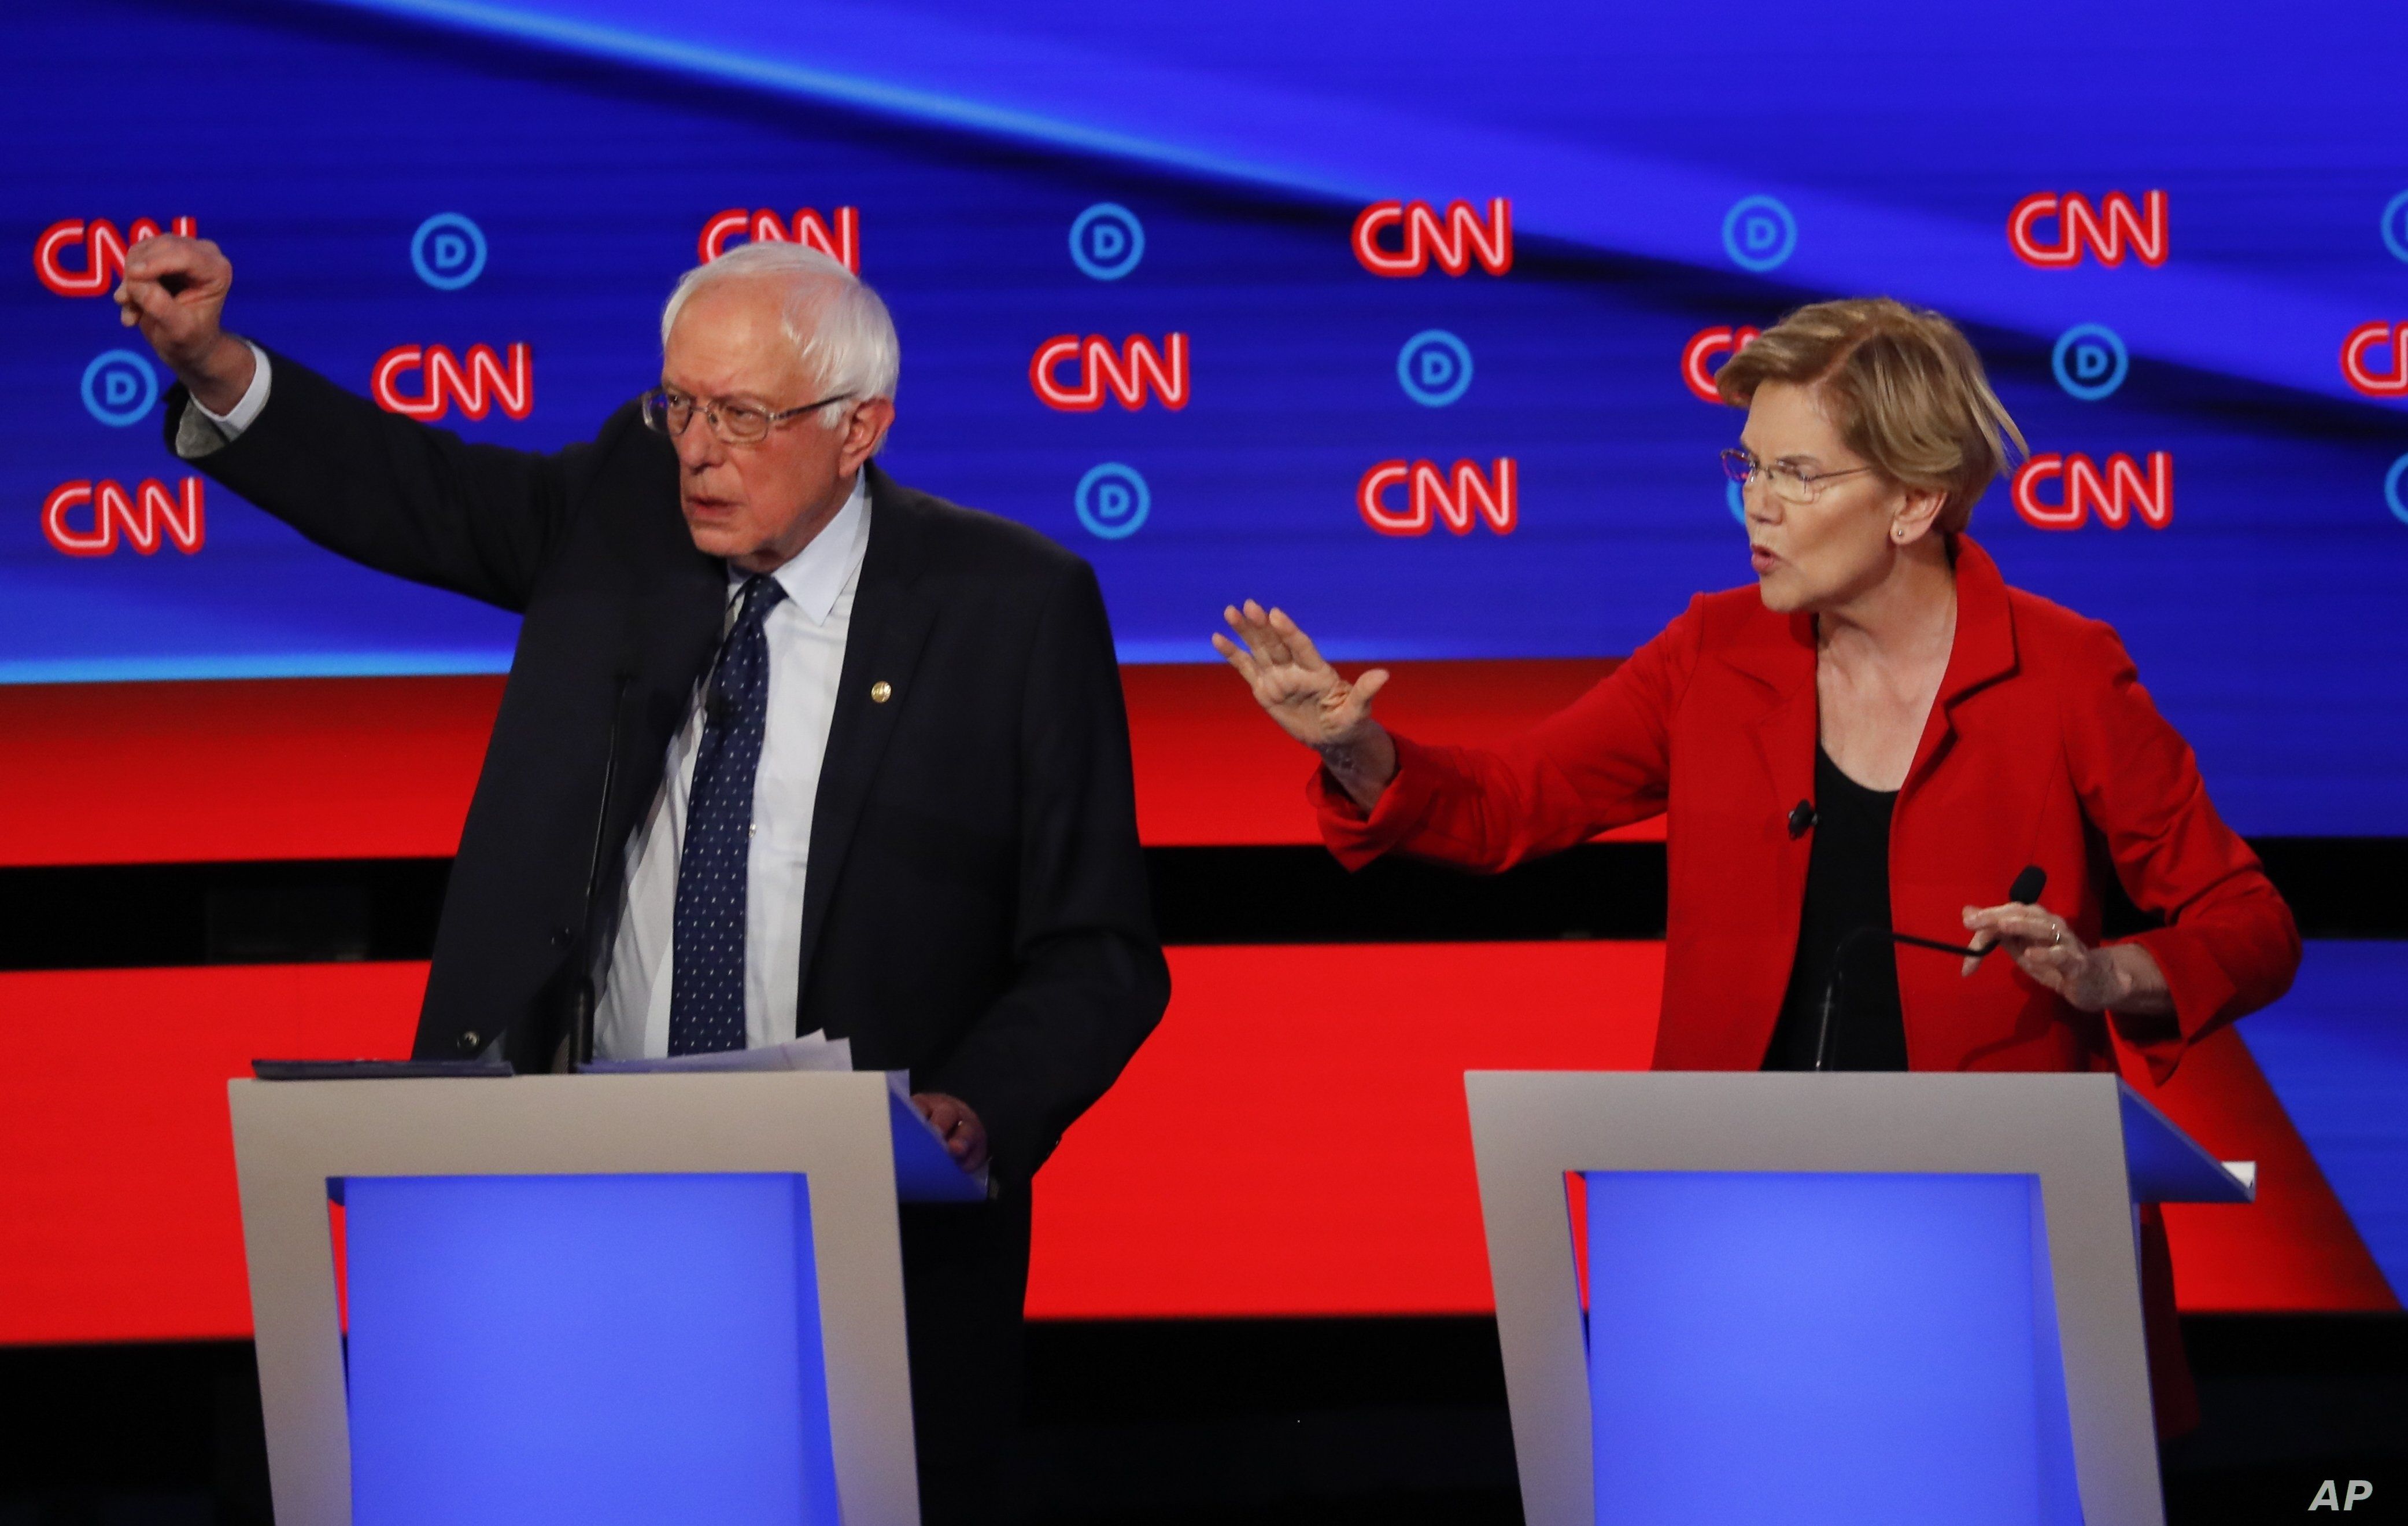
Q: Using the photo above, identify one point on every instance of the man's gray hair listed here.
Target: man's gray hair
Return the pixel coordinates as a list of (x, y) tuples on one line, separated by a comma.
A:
[(840, 326)]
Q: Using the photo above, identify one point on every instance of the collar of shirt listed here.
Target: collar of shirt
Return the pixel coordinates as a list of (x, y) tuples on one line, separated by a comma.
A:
[(815, 575)]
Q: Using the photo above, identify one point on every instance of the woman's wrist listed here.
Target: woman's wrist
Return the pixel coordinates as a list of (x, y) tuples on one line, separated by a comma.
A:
[(2134, 986), (1362, 764)]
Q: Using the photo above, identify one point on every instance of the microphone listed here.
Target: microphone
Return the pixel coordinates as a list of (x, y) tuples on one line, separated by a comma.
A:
[(1802, 819), (714, 706), (582, 996), (2026, 890), (2028, 887)]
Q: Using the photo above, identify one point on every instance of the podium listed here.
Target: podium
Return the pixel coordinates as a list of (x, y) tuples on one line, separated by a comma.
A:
[(659, 1298), (1851, 1298)]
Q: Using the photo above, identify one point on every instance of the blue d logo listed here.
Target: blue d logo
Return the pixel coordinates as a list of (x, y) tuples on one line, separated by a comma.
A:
[(1737, 499), (1758, 233), (1111, 501), (119, 387), (1107, 241), (1434, 368), (2395, 226), (448, 251), (2089, 361), (2395, 489)]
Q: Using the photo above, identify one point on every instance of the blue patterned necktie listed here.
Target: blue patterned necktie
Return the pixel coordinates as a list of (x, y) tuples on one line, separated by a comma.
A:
[(707, 985)]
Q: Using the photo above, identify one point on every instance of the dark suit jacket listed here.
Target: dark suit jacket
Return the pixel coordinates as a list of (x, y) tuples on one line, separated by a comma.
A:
[(976, 907)]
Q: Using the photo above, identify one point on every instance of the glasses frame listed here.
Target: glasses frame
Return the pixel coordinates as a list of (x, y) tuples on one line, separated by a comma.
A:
[(1741, 467), (656, 405)]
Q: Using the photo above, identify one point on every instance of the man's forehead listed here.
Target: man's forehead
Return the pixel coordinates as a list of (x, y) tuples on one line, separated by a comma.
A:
[(732, 331)]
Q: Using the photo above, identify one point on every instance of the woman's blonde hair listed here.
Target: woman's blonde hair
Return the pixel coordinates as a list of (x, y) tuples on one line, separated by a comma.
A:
[(1902, 385)]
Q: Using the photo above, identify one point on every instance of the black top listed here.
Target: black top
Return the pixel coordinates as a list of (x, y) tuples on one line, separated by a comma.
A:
[(1847, 888)]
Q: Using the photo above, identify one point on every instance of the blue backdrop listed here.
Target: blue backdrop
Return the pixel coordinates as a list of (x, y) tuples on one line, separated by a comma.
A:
[(1669, 171)]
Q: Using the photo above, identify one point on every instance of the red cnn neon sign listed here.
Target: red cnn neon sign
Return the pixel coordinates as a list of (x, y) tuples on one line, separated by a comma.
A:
[(842, 243), (1127, 374), (2105, 230), (104, 249), (1699, 354), (2363, 341), (1453, 241), (1432, 497), (2117, 495), (475, 387), (140, 516)]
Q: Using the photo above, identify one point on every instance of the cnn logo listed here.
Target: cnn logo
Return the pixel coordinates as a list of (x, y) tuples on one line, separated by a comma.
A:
[(2367, 340), (2118, 494), (109, 512), (840, 242), (1698, 359), (103, 252), (2107, 231), (1129, 374), (1453, 240), (1453, 499), (477, 387)]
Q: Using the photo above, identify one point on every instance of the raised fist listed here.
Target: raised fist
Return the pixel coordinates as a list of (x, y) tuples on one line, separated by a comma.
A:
[(175, 290)]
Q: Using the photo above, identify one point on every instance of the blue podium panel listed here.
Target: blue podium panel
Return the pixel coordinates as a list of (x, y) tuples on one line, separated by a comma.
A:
[(1844, 1348), (638, 1349)]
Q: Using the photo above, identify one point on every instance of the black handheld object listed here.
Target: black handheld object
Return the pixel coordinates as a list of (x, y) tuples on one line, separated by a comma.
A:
[(2025, 892), (2029, 884), (582, 996), (373, 1070)]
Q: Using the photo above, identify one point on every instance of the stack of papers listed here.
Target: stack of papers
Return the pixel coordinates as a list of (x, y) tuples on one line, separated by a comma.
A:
[(818, 1052), (811, 1052)]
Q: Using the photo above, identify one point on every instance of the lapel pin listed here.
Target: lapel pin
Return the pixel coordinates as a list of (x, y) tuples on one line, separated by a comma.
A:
[(881, 692)]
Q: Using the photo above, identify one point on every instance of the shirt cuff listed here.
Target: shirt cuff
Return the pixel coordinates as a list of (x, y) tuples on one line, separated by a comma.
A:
[(201, 430)]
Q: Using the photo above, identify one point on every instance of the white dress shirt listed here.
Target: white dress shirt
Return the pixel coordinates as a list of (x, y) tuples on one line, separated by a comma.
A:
[(806, 631)]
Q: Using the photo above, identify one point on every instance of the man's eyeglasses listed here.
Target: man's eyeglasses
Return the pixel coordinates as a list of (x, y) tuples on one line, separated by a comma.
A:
[(1790, 485), (738, 424)]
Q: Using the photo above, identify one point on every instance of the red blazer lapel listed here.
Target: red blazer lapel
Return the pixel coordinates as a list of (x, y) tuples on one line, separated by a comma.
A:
[(1983, 653), (1777, 654)]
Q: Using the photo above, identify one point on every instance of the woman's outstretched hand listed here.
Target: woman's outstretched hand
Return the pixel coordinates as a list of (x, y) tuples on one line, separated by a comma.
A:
[(1301, 691)]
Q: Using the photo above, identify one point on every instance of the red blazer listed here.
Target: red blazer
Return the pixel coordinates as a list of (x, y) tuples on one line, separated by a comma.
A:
[(2041, 748)]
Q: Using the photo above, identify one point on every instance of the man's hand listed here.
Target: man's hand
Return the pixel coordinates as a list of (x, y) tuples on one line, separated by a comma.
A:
[(175, 291), (965, 1136)]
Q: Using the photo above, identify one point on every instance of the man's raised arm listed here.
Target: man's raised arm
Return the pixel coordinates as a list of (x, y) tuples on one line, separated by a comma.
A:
[(385, 490)]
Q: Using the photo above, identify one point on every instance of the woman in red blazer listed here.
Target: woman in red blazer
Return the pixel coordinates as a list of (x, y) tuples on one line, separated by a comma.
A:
[(1880, 733)]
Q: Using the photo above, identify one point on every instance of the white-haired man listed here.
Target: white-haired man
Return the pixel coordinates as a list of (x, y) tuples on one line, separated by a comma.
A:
[(873, 763)]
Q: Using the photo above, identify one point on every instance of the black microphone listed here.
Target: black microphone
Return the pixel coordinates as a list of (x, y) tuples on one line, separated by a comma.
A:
[(714, 705), (582, 996), (2026, 890), (1802, 819)]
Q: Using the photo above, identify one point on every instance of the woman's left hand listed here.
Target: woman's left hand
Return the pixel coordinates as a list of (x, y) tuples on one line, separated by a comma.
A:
[(2044, 946)]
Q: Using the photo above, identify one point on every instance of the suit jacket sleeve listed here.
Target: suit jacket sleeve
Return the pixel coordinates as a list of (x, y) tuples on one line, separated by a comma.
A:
[(390, 492), (2229, 945), (1602, 763), (1090, 981)]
